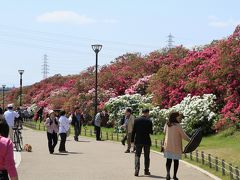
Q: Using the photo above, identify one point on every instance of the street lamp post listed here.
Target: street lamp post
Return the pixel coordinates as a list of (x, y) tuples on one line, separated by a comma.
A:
[(96, 48), (21, 73), (3, 89)]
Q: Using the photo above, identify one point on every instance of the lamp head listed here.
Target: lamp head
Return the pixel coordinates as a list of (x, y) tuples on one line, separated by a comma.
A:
[(21, 71), (3, 86), (96, 47)]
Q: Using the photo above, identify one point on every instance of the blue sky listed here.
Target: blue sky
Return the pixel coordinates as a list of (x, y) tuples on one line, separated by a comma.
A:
[(65, 30)]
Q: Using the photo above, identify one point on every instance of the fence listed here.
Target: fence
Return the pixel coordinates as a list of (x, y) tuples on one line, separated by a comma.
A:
[(226, 169)]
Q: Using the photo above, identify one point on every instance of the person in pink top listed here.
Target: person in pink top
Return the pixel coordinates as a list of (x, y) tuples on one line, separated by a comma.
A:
[(7, 164), (173, 142)]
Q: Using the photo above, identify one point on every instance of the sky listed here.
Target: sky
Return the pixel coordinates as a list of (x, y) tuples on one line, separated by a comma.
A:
[(64, 30)]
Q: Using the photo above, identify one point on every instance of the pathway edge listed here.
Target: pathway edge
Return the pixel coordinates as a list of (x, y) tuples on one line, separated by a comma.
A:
[(193, 166)]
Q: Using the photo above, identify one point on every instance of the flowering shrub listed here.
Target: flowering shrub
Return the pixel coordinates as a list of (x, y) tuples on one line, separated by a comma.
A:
[(140, 87), (198, 112), (211, 69), (116, 106), (159, 118)]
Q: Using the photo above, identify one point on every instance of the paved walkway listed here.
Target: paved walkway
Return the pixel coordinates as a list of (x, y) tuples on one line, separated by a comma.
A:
[(89, 160)]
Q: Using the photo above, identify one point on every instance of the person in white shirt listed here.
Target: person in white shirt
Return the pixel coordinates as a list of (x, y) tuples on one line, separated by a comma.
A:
[(10, 116), (64, 125)]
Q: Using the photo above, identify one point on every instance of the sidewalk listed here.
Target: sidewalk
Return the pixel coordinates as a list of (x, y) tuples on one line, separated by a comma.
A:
[(89, 160)]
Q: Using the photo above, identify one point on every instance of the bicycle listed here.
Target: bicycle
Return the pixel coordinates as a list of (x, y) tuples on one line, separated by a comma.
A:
[(17, 138)]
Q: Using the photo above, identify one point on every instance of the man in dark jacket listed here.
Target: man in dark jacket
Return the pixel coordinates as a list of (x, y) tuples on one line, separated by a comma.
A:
[(76, 122), (141, 137)]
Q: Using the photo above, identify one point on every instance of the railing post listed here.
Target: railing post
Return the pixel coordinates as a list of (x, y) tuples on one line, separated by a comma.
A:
[(231, 171), (101, 135), (210, 160), (38, 126), (223, 167), (117, 136), (185, 155), (107, 135), (216, 163), (85, 131), (90, 132), (191, 155), (197, 155), (44, 128), (237, 173), (202, 154), (156, 143)]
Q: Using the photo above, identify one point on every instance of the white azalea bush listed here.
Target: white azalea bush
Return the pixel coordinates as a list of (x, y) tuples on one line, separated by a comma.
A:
[(116, 107), (198, 112), (159, 118)]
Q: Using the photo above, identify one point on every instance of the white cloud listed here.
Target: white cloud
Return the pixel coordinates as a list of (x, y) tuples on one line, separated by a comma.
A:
[(218, 23), (70, 17)]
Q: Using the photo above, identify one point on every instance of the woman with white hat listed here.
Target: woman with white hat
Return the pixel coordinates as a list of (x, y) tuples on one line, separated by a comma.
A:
[(52, 130)]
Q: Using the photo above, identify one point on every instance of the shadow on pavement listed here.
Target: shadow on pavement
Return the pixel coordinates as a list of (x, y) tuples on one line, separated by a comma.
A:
[(83, 141), (60, 154), (154, 176), (74, 153)]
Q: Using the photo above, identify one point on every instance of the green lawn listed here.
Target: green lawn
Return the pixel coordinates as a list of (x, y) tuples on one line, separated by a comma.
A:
[(225, 145)]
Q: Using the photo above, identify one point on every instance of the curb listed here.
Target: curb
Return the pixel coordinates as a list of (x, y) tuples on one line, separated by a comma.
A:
[(195, 167)]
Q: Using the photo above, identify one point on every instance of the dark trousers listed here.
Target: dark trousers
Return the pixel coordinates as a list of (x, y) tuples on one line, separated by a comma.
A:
[(63, 141), (77, 131), (146, 156), (98, 132), (52, 141), (3, 175), (127, 138)]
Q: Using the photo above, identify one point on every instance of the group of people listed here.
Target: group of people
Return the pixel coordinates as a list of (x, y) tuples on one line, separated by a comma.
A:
[(138, 131), (61, 125)]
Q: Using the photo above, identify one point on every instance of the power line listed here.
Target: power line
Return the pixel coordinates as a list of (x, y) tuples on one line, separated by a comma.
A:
[(27, 31)]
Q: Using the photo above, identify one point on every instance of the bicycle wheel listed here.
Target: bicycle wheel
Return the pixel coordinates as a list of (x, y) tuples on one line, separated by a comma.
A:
[(15, 141), (20, 141)]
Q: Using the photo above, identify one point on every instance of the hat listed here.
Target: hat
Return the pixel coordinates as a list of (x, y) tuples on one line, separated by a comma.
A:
[(50, 112), (10, 105)]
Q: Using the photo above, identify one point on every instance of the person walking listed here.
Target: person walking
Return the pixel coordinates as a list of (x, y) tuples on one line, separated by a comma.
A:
[(52, 129), (64, 125), (97, 123), (142, 129), (128, 126), (40, 114), (76, 119), (173, 142), (10, 116), (7, 164)]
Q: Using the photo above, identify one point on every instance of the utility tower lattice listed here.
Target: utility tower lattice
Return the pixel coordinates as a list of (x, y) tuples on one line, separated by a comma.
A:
[(170, 41), (45, 67)]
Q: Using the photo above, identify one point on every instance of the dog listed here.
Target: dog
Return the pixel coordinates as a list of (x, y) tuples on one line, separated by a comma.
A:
[(28, 147)]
